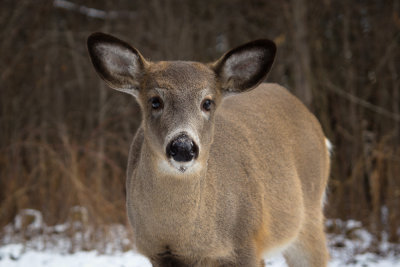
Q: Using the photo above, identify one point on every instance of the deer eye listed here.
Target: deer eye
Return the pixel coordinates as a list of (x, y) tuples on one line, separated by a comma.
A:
[(206, 105), (156, 103)]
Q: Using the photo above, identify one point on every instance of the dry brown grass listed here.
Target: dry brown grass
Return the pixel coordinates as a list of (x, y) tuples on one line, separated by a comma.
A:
[(54, 177)]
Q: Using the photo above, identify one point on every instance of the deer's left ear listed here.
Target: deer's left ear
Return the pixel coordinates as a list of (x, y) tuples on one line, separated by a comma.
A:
[(243, 68)]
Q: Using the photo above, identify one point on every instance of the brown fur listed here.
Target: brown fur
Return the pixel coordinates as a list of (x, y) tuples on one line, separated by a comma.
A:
[(263, 171)]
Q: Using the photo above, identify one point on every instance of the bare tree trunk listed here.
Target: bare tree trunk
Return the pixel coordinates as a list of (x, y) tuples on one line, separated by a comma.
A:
[(301, 56), (394, 166)]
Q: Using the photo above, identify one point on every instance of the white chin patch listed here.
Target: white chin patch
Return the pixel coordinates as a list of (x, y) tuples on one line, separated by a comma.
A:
[(174, 167), (181, 166)]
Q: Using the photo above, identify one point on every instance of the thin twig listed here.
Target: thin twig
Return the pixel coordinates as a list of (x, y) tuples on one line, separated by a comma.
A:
[(365, 104), (93, 12)]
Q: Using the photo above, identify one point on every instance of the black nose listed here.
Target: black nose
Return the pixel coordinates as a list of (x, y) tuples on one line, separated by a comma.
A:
[(182, 149)]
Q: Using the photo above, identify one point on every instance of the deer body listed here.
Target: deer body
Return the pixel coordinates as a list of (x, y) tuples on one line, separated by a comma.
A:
[(222, 186)]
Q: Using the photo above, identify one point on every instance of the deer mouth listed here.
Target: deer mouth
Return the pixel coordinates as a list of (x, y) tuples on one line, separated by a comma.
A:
[(176, 168), (181, 166)]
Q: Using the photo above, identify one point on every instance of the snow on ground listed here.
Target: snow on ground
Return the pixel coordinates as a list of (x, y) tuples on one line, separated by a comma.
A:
[(34, 244), (14, 256)]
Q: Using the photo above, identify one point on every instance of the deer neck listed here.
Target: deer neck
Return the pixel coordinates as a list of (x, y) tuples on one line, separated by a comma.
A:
[(167, 190)]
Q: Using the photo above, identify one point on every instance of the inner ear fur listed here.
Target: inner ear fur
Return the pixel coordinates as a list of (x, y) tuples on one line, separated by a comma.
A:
[(120, 65), (243, 68)]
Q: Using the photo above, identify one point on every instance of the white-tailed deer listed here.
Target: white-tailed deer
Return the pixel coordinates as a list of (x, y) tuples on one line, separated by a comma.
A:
[(223, 169)]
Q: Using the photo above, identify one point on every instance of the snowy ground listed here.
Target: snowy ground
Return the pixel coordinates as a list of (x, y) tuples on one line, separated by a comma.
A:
[(70, 244), (13, 256)]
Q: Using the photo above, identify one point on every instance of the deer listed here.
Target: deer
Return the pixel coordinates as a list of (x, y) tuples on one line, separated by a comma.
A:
[(224, 170)]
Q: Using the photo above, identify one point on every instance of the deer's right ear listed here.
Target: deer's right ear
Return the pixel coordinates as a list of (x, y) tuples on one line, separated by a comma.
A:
[(120, 65)]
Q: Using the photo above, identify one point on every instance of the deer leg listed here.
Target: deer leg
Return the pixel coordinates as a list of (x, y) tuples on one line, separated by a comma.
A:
[(310, 249)]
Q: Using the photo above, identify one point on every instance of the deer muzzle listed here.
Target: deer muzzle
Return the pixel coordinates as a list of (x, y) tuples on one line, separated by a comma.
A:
[(182, 149)]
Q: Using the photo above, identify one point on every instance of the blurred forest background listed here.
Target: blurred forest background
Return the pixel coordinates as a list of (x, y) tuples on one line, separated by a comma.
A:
[(64, 136)]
